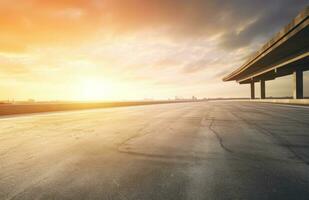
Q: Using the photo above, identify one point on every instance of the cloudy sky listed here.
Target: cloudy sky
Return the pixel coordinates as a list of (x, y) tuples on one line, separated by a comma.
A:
[(133, 49)]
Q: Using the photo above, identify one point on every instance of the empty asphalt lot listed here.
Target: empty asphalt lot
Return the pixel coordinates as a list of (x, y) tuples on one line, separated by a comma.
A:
[(203, 150)]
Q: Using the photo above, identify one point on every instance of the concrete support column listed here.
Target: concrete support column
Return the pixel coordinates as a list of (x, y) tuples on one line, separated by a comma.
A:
[(298, 91), (252, 90), (263, 95)]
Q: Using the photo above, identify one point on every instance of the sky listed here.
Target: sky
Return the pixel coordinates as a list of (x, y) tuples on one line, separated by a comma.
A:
[(133, 49)]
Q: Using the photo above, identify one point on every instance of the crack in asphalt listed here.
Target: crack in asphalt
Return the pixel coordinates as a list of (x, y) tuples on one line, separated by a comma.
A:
[(219, 138), (121, 195), (140, 133), (282, 142), (278, 115)]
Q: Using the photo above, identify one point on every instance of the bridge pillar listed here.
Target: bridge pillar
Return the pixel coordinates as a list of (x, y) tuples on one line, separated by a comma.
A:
[(262, 82), (252, 90), (298, 91)]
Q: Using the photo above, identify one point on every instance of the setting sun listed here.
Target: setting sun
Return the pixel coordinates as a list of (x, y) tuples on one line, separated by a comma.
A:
[(92, 89)]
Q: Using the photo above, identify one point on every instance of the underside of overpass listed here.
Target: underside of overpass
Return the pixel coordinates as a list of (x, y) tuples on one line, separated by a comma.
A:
[(285, 54)]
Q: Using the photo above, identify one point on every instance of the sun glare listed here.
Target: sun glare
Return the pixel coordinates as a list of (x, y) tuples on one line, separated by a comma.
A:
[(93, 89)]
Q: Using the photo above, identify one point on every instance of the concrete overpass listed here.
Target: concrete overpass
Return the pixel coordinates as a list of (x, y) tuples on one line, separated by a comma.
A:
[(285, 54)]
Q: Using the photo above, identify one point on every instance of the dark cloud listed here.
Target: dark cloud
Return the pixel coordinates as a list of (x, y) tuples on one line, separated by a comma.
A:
[(201, 18), (270, 18)]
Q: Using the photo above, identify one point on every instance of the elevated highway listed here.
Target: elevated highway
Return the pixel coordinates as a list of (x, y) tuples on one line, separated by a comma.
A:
[(285, 54)]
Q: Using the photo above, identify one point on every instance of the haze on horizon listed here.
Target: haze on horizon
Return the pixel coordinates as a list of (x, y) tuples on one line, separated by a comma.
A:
[(133, 49)]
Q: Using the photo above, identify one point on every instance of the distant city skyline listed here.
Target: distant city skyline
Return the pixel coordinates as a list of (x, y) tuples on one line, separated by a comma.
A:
[(91, 50)]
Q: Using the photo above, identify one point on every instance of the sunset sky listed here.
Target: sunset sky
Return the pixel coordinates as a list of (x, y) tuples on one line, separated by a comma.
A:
[(133, 49)]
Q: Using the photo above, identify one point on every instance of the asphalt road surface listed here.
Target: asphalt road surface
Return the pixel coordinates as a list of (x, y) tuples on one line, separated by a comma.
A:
[(203, 150)]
